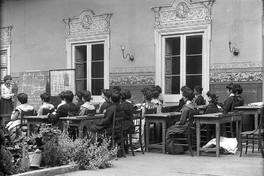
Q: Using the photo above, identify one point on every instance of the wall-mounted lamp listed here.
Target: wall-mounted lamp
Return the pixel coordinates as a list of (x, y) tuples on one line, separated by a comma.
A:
[(128, 55), (233, 49)]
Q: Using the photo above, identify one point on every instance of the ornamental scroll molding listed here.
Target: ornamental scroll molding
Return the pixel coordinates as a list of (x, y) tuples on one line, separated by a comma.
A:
[(87, 24), (5, 36), (183, 12)]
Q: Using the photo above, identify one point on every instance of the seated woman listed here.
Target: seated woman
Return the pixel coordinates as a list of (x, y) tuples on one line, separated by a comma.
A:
[(128, 108), (229, 103), (106, 96), (46, 107), (240, 100), (212, 106), (79, 98), (181, 101), (107, 122), (23, 109), (181, 126), (87, 108), (198, 99)]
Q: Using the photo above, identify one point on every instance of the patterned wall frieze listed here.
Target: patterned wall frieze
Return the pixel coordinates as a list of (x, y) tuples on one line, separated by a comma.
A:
[(183, 12), (118, 70), (235, 65), (236, 72), (87, 24), (132, 76), (5, 36)]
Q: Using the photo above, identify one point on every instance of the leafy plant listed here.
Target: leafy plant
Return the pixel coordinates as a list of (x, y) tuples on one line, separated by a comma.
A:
[(92, 154)]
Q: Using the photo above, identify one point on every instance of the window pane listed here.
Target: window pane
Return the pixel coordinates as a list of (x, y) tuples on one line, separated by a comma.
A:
[(97, 69), (97, 86), (172, 85), (172, 66), (194, 64), (194, 44), (97, 52), (193, 80), (81, 85), (80, 53), (172, 46), (81, 70)]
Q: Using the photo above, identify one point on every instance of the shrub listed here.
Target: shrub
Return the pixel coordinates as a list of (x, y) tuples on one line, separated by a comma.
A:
[(91, 154)]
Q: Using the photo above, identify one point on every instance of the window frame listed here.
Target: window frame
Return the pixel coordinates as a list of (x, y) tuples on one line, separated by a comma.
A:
[(104, 39), (160, 35)]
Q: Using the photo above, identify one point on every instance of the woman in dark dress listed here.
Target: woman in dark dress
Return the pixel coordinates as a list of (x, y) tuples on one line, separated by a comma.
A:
[(212, 106), (198, 99), (6, 103)]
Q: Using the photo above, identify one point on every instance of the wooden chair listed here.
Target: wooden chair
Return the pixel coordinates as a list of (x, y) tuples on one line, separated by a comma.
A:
[(23, 124), (187, 139), (250, 138), (117, 133), (137, 119)]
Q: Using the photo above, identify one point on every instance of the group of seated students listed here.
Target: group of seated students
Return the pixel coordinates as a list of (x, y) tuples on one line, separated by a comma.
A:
[(116, 102), (188, 105)]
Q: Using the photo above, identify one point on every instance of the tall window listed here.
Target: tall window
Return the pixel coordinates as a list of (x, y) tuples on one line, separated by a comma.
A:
[(3, 63), (89, 61), (182, 62)]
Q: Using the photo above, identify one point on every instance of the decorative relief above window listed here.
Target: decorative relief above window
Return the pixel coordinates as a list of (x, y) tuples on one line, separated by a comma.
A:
[(5, 36), (87, 23), (183, 12)]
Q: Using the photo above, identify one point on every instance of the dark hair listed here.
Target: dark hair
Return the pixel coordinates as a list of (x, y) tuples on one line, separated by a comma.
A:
[(107, 93), (188, 93), (115, 96), (238, 89), (22, 98), (199, 89), (229, 86), (214, 98), (62, 95), (68, 95), (158, 88), (184, 87), (79, 94), (45, 97), (148, 95), (7, 77), (155, 94), (125, 94), (86, 95)]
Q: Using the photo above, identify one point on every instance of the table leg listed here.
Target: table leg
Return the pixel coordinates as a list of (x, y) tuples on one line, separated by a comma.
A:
[(198, 136), (256, 120), (147, 135), (217, 134), (28, 128), (163, 136), (80, 129)]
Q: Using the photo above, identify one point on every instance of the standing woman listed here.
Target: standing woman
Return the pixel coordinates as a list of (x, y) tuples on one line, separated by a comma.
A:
[(6, 104)]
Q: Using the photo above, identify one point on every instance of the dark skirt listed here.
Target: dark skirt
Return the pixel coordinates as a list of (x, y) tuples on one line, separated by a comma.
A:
[(6, 106)]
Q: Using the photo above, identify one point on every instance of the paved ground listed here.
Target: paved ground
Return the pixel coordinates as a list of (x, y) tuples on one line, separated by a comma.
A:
[(157, 164)]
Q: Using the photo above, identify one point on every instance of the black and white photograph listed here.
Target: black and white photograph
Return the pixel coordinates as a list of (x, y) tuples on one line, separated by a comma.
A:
[(131, 87)]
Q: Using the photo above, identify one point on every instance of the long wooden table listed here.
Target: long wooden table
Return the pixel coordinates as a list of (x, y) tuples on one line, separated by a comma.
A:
[(248, 110), (162, 118), (216, 119), (79, 121)]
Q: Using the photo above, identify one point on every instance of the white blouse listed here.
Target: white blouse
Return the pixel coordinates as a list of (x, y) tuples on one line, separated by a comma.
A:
[(6, 92)]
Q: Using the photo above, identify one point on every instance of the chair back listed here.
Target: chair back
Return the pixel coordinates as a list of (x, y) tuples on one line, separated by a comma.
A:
[(23, 123), (117, 126)]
